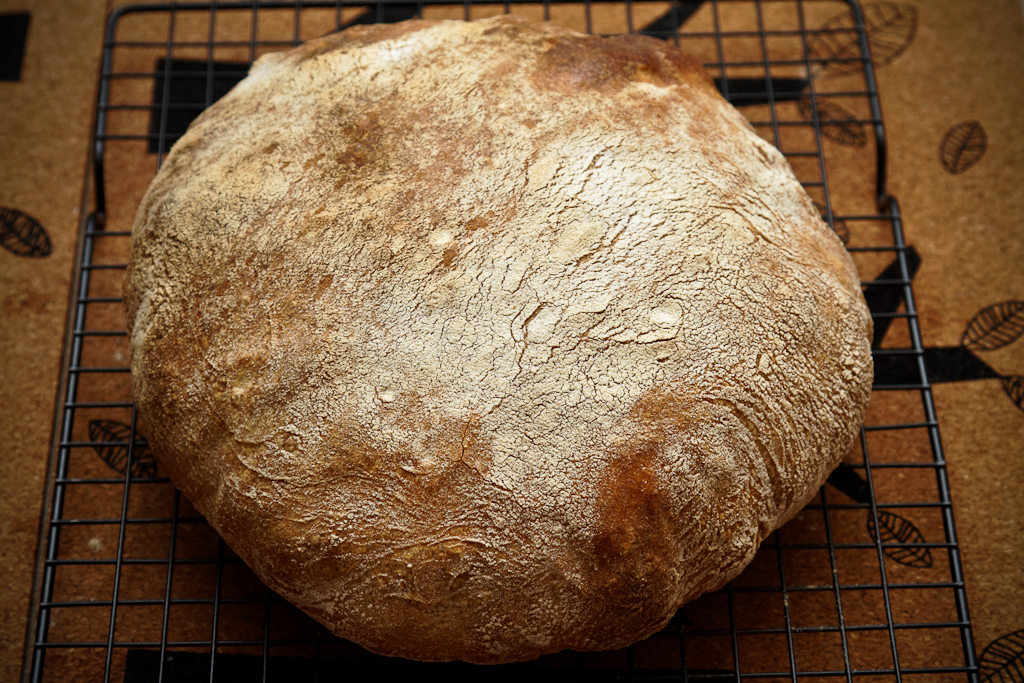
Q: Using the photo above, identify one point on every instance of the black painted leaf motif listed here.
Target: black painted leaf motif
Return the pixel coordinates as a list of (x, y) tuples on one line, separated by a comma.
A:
[(110, 440), (995, 326), (963, 146), (891, 27), (23, 235), (895, 529), (1003, 659), (1014, 388), (837, 123), (840, 227)]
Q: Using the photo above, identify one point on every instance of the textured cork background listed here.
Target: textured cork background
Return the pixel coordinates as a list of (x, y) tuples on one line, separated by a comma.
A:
[(961, 191)]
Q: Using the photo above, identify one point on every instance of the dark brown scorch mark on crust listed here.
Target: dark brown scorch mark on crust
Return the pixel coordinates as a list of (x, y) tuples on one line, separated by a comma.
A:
[(479, 222), (361, 144), (579, 62), (362, 138), (633, 519), (637, 536)]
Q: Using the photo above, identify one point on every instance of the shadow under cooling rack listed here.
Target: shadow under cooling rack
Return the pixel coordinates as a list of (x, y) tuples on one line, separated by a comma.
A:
[(865, 583)]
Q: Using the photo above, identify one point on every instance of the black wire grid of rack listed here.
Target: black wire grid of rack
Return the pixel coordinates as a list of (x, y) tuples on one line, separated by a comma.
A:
[(865, 583)]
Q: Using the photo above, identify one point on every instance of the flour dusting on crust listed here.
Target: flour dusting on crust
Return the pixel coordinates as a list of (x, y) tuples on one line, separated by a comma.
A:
[(485, 340)]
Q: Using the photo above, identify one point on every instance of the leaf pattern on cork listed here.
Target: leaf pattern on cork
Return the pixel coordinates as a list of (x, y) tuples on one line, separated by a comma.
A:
[(901, 531), (836, 121), (1003, 660), (890, 28), (1014, 388), (111, 439), (22, 234), (995, 326), (899, 535), (963, 146)]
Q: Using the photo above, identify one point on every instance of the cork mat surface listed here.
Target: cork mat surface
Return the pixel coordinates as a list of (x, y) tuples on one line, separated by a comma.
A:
[(46, 113), (951, 82)]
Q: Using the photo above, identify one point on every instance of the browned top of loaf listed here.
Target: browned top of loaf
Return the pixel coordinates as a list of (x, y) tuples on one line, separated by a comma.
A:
[(484, 340)]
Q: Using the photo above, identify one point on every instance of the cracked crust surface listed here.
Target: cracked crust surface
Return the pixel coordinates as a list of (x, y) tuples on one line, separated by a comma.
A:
[(485, 340)]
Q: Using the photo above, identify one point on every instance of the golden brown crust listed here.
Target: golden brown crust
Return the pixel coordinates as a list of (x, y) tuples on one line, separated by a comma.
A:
[(572, 63), (484, 340)]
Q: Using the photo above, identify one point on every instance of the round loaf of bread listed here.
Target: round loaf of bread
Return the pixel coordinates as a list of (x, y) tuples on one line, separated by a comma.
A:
[(481, 340)]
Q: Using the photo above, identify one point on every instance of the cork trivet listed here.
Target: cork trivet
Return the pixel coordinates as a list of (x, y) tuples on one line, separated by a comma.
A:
[(45, 123), (967, 65)]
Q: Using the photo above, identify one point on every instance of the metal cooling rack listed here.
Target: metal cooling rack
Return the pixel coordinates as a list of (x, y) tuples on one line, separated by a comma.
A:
[(865, 583)]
